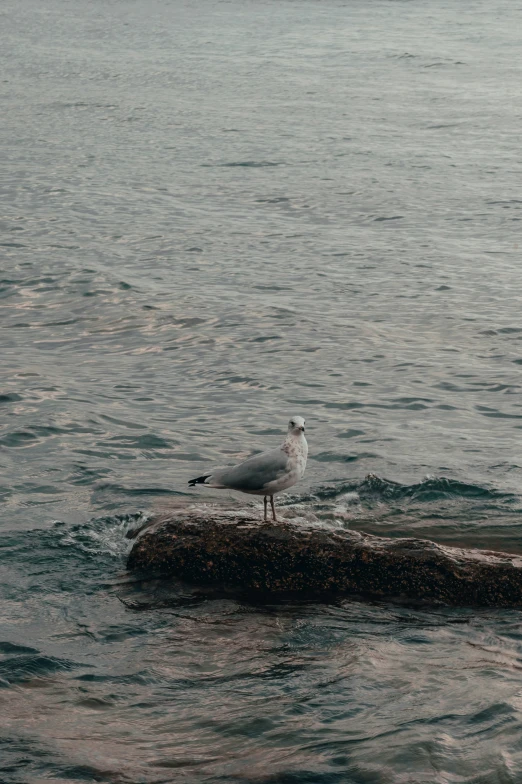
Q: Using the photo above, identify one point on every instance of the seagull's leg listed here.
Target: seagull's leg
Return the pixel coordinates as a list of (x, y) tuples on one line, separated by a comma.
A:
[(273, 507), (266, 506)]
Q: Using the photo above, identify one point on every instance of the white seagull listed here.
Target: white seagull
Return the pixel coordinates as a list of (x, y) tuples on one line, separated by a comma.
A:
[(268, 473)]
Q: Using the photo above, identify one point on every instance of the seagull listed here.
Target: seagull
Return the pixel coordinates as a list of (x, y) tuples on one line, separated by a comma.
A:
[(268, 473)]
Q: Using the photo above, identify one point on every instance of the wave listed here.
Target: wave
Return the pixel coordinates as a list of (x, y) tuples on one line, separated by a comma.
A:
[(430, 489), (17, 669), (102, 535)]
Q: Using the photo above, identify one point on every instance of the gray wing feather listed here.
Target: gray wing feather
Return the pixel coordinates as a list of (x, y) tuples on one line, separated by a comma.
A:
[(255, 473)]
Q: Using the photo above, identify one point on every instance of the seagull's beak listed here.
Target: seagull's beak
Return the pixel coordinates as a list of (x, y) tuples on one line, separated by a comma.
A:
[(302, 429)]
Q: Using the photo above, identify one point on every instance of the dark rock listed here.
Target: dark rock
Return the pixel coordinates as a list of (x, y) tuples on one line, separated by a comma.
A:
[(239, 550)]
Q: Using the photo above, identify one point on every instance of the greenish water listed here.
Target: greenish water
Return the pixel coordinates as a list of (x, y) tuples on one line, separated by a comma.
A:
[(215, 216)]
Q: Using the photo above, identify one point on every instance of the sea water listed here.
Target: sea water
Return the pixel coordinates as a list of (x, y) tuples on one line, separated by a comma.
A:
[(216, 215)]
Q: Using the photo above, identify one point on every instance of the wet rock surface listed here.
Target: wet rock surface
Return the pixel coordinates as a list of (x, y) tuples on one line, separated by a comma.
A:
[(241, 551)]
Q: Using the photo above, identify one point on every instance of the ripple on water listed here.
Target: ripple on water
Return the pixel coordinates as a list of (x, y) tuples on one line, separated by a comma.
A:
[(24, 668), (212, 221)]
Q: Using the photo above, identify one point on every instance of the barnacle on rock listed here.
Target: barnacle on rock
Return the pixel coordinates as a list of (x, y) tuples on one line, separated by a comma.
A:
[(237, 550)]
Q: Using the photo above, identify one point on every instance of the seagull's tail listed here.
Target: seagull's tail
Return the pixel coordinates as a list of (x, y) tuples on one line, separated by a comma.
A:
[(200, 480)]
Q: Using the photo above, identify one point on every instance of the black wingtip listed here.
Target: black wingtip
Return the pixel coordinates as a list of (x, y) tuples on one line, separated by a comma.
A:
[(200, 480)]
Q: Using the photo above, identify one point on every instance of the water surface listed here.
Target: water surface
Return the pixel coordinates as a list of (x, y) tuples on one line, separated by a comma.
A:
[(213, 218)]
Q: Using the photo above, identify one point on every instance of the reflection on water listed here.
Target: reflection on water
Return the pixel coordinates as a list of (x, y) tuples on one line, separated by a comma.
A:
[(212, 220), (110, 677)]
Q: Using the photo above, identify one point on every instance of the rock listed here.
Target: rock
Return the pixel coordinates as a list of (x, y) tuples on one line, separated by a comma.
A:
[(238, 550)]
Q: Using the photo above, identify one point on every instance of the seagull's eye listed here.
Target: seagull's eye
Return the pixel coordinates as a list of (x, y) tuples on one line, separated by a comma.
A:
[(292, 423)]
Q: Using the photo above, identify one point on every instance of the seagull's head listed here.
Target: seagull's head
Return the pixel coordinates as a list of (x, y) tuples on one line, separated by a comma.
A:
[(296, 425)]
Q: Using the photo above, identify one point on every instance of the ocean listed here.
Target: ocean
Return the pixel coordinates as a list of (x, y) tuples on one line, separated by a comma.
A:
[(215, 216)]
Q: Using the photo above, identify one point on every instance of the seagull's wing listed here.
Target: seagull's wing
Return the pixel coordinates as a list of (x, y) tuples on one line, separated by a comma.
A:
[(254, 474)]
